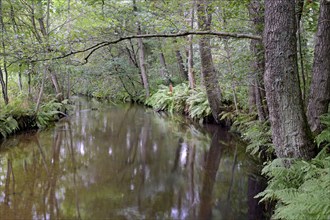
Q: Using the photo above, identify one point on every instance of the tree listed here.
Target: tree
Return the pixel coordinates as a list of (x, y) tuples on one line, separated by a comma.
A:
[(142, 61), (256, 95), (3, 70), (209, 74), (290, 131), (320, 87)]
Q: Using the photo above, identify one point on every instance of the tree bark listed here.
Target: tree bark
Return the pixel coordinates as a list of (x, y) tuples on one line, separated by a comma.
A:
[(143, 68), (256, 94), (290, 131), (320, 87), (209, 75), (3, 72), (183, 72), (191, 74), (163, 68)]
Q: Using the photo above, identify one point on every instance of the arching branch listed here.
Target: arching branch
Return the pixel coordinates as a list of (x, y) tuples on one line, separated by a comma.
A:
[(100, 45)]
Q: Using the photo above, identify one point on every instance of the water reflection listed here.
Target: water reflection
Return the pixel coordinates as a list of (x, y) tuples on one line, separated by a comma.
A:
[(126, 162)]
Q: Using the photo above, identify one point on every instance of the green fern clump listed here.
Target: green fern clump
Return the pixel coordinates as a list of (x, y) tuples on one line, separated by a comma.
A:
[(171, 101), (162, 100), (181, 93), (256, 133), (324, 136), (198, 104), (49, 112), (302, 191), (8, 125)]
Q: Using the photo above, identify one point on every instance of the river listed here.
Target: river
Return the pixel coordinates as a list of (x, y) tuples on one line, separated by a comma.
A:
[(110, 161)]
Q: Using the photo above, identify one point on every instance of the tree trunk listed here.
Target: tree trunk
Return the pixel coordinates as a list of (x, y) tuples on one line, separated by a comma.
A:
[(320, 87), (143, 65), (209, 75), (143, 69), (290, 131), (183, 72), (3, 88), (256, 94), (20, 85), (3, 72), (191, 74), (163, 68)]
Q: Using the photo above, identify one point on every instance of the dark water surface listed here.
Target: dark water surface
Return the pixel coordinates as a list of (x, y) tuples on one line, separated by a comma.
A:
[(126, 162)]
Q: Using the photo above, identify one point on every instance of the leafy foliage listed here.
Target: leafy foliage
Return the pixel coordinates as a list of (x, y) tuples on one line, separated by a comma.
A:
[(302, 190), (324, 136), (198, 104), (162, 100), (49, 112), (257, 133), (181, 99), (7, 125), (20, 115)]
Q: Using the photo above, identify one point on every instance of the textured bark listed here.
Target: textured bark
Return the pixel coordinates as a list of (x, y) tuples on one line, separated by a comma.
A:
[(3, 72), (256, 94), (190, 56), (142, 62), (191, 74), (320, 87), (183, 72), (290, 131), (209, 75), (163, 69), (143, 67)]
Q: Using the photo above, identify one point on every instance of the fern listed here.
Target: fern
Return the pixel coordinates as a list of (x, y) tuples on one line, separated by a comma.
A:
[(324, 136), (48, 113), (8, 125), (256, 133), (198, 105), (302, 191)]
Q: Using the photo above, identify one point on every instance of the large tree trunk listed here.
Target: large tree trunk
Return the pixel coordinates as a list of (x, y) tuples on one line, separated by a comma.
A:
[(209, 75), (256, 94), (320, 88), (290, 131)]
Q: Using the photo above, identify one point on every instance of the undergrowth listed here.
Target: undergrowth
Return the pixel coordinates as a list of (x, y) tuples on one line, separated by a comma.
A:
[(20, 114), (182, 100), (302, 191), (257, 134)]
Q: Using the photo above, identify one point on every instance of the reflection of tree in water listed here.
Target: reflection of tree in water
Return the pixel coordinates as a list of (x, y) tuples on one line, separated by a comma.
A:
[(126, 165), (210, 172)]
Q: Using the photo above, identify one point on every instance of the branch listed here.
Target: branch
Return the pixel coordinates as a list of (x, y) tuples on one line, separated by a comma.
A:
[(97, 46)]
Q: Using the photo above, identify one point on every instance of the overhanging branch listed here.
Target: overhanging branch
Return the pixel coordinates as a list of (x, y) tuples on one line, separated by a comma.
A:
[(97, 46)]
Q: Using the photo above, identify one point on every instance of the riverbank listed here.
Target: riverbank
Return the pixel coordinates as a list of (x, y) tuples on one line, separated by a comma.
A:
[(300, 191), (124, 156), (21, 116)]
